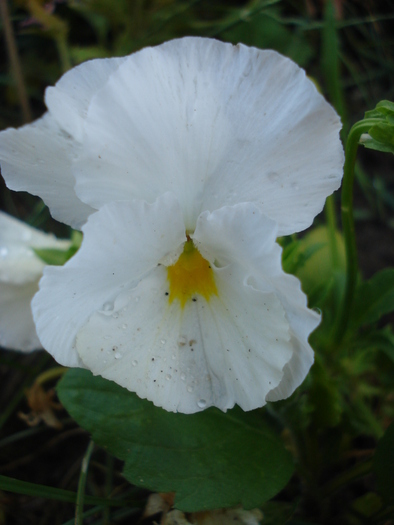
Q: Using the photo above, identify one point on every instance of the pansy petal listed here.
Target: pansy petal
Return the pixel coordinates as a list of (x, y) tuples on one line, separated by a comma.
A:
[(17, 330), (122, 242), (69, 99), (37, 158), (242, 237), (216, 353), (232, 348), (216, 124)]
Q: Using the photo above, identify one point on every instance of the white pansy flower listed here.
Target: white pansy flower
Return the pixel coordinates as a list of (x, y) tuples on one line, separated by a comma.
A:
[(20, 272), (197, 155)]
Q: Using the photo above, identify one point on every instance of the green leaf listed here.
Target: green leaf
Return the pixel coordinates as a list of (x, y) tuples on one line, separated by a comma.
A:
[(381, 135), (376, 341), (210, 459), (56, 257), (383, 138), (324, 397), (383, 465), (373, 299)]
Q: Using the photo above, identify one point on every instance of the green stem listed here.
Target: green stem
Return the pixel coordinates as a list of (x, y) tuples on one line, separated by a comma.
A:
[(332, 231), (108, 487), (82, 484), (50, 374), (348, 224)]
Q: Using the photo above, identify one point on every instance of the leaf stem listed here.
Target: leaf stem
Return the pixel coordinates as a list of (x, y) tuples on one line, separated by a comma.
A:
[(352, 144), (332, 231)]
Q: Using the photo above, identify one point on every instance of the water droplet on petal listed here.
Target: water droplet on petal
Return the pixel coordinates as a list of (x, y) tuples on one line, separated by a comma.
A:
[(273, 176), (168, 377), (124, 326), (115, 315), (118, 355), (108, 306), (134, 362), (202, 403), (183, 377), (189, 389), (182, 340), (173, 357), (163, 341)]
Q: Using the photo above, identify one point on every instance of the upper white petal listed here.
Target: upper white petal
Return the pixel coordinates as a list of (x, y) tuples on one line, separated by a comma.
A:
[(217, 125), (37, 158), (122, 243), (69, 99)]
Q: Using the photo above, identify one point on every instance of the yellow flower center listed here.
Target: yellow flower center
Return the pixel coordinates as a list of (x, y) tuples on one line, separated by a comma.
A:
[(190, 275)]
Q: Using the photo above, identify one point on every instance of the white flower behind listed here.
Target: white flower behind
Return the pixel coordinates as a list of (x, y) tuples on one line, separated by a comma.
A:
[(20, 272), (197, 155)]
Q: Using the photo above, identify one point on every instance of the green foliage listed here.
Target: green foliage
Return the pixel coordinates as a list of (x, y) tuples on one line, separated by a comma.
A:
[(383, 465), (59, 257), (265, 29), (373, 299), (381, 134), (210, 459), (43, 491)]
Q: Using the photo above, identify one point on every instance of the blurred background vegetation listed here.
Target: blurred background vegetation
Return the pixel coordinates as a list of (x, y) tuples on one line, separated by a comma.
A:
[(346, 47)]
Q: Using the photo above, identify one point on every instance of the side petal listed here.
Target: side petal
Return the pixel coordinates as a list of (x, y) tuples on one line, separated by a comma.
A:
[(122, 243), (69, 99), (243, 239), (37, 158), (17, 330), (216, 124)]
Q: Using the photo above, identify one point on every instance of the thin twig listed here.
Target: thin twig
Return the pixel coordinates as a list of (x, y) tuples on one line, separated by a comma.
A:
[(15, 62)]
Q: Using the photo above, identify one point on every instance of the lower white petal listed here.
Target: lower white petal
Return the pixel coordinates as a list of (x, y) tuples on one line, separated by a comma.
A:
[(230, 349), (216, 353)]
